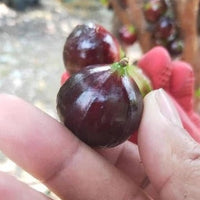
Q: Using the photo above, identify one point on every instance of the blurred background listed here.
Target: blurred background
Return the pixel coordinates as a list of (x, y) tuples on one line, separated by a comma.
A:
[(32, 36)]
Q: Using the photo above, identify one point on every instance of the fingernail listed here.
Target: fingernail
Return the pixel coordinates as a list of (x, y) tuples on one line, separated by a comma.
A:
[(167, 108)]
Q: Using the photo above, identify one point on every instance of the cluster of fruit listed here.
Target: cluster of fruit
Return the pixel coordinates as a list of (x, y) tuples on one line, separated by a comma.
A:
[(160, 15), (162, 25), (101, 97)]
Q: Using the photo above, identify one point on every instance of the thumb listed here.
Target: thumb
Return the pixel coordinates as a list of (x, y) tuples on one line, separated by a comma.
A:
[(170, 156)]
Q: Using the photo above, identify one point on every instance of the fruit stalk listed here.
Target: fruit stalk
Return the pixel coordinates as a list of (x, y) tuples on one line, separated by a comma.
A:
[(122, 15), (137, 17)]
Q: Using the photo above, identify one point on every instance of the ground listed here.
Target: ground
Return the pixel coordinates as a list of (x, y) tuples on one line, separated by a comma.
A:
[(31, 64)]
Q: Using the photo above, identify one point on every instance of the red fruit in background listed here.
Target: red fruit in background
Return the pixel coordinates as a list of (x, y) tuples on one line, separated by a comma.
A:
[(165, 28), (127, 34), (154, 9), (101, 104), (89, 44)]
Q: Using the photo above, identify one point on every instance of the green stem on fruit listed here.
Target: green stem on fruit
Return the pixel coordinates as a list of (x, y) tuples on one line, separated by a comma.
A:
[(123, 68), (120, 66)]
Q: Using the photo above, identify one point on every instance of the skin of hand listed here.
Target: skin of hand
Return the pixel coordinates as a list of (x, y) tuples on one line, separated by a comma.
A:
[(164, 165)]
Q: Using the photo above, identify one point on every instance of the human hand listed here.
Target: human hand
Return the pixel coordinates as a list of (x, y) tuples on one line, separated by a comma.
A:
[(166, 153)]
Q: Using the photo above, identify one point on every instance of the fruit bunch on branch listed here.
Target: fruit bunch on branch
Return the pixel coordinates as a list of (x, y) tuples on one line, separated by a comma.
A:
[(169, 23)]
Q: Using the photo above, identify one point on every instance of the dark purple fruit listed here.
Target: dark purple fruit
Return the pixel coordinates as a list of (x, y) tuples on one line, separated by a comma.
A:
[(175, 47), (165, 28), (101, 104), (89, 44), (154, 9)]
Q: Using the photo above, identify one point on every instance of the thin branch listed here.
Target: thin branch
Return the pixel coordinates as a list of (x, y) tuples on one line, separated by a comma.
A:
[(120, 13), (138, 19), (187, 15)]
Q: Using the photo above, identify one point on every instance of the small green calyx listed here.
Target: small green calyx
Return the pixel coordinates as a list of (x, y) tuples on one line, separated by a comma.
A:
[(120, 66), (123, 68), (131, 29)]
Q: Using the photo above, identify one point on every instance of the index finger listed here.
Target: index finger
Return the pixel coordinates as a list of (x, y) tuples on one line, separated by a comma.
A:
[(47, 150)]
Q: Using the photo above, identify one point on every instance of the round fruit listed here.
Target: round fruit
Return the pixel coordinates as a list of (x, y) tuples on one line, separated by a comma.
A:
[(175, 47), (127, 34), (154, 9), (165, 28), (89, 44), (101, 104)]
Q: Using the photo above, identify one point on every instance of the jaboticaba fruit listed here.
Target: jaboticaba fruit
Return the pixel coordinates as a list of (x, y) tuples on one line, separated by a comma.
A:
[(101, 104), (89, 44)]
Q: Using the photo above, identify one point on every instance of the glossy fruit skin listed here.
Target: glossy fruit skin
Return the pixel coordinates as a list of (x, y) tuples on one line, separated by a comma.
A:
[(154, 9), (175, 47), (89, 44), (99, 106), (127, 35), (165, 28)]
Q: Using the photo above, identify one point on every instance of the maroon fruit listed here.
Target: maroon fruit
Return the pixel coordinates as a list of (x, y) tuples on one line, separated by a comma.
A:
[(175, 47), (165, 28), (101, 104), (89, 44), (127, 34), (154, 9)]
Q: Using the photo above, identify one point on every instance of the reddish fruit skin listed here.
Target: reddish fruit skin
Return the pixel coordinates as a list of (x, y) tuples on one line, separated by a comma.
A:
[(99, 106), (154, 9), (165, 28), (127, 36), (89, 44)]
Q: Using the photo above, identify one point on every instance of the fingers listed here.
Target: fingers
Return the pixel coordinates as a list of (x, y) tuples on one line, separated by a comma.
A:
[(156, 63), (176, 77), (170, 156), (182, 89), (12, 189), (182, 84), (126, 158), (43, 147)]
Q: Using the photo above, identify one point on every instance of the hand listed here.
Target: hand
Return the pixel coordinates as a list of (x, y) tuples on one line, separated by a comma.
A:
[(166, 154)]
